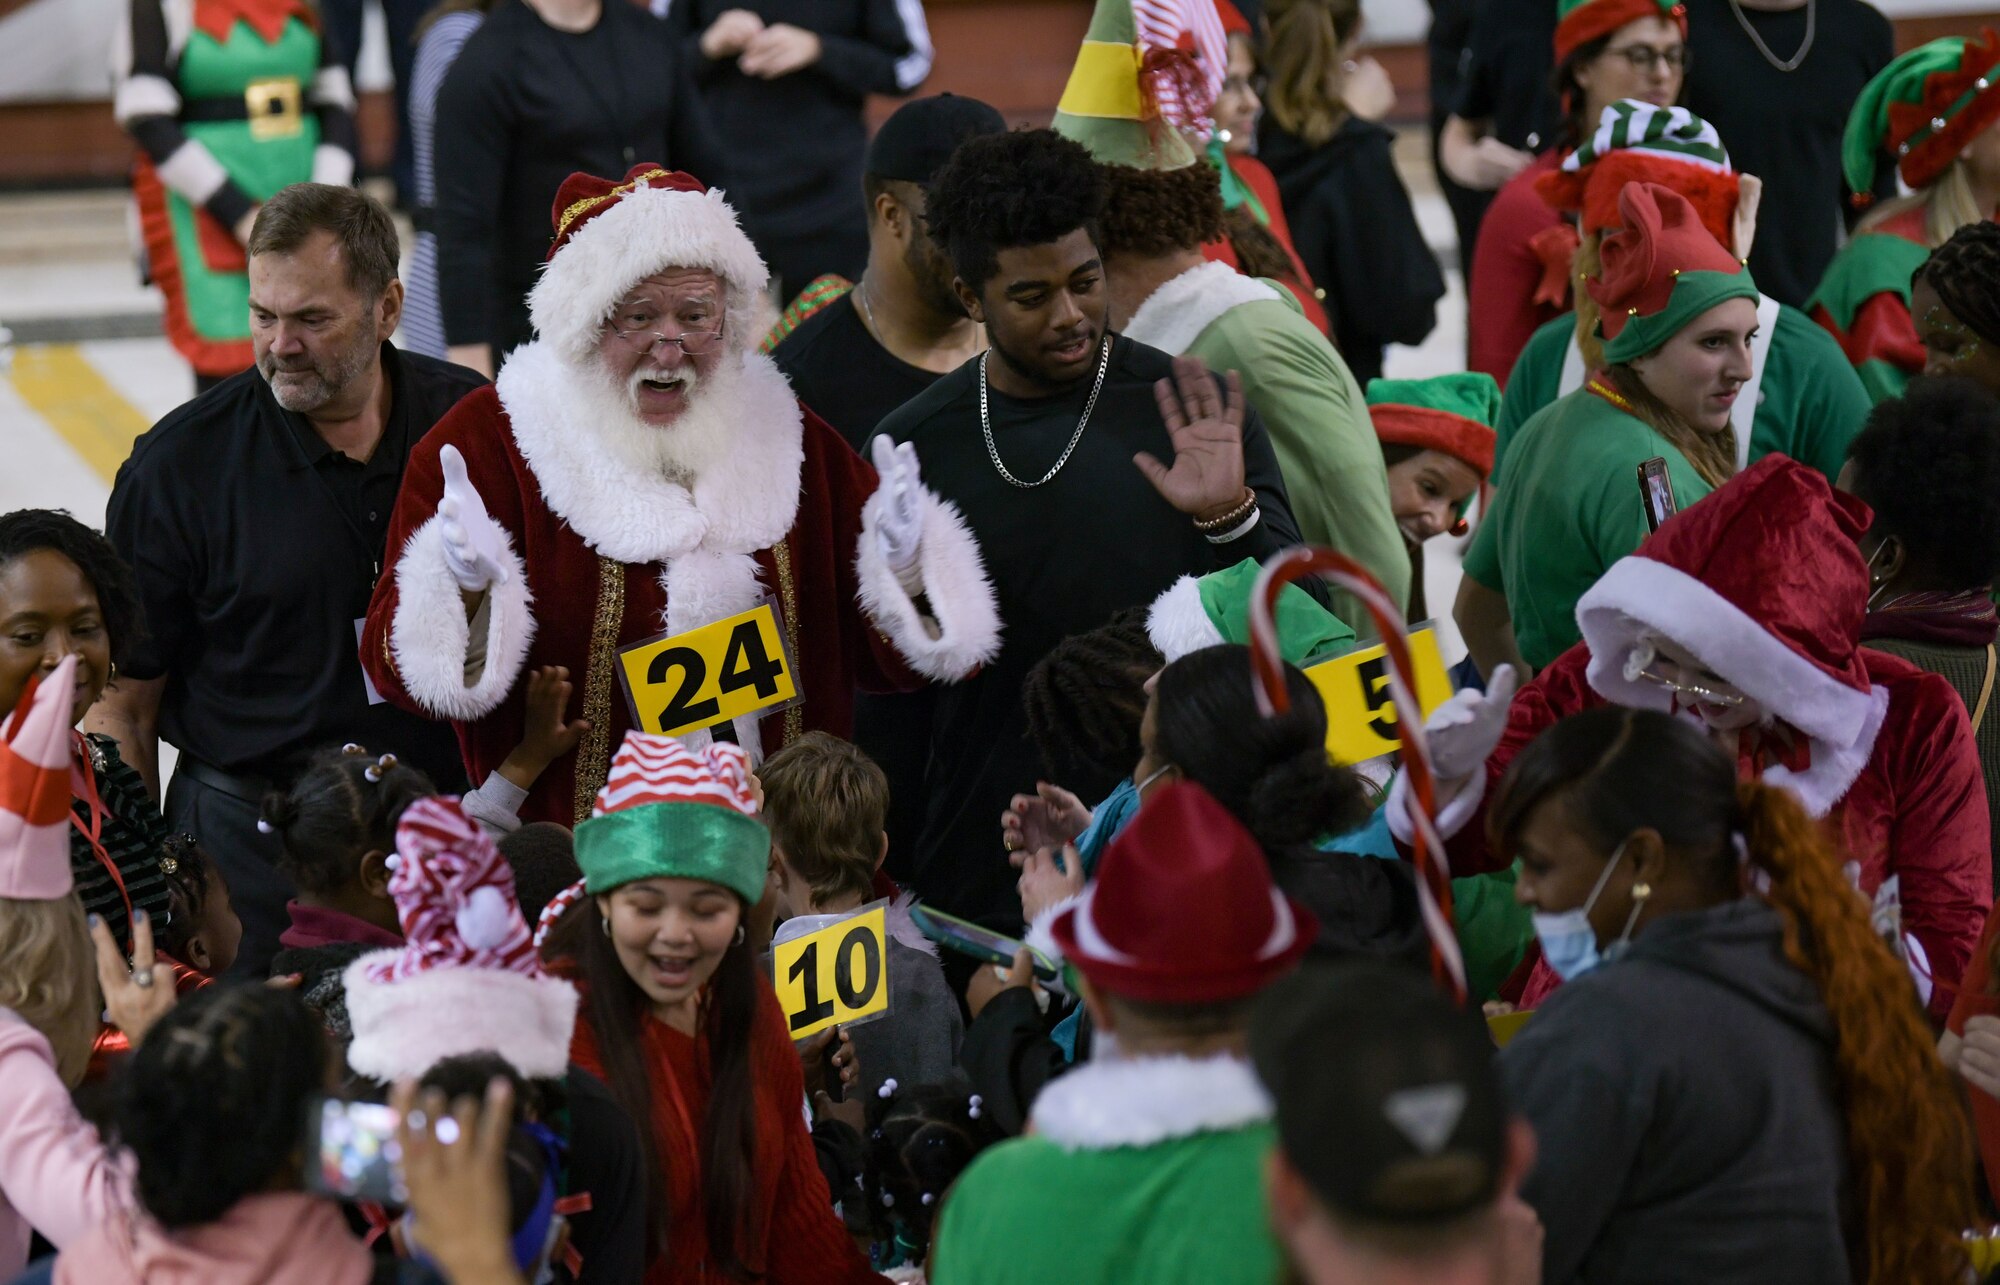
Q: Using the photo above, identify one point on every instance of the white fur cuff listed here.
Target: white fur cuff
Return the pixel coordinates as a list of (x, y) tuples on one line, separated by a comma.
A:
[(430, 638), (1450, 820), (1041, 935), (332, 165), (404, 1027), (1177, 623), (963, 631)]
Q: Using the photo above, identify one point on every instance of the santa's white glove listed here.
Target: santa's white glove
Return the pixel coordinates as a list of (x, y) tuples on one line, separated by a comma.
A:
[(900, 523), (1463, 731), (474, 545)]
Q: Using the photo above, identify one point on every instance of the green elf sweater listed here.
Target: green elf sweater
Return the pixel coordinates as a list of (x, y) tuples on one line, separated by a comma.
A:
[(1805, 400), (1310, 404), (1568, 507), (1144, 1170), (1864, 303)]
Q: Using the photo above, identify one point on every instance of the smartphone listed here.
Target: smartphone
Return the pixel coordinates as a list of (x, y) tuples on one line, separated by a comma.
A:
[(1656, 492), (352, 1151), (968, 938)]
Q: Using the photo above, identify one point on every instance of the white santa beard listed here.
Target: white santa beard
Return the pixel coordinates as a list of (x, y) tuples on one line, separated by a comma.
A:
[(680, 450)]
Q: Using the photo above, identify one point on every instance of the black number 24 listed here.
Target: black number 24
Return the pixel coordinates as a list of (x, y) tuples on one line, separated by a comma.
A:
[(745, 663), (805, 971)]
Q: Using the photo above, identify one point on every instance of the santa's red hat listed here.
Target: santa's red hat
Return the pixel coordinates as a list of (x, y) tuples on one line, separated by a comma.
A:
[(34, 790), (466, 979), (1764, 583), (1183, 910), (610, 235)]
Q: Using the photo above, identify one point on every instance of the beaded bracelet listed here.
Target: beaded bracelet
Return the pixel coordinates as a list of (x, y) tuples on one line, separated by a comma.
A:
[(1230, 518)]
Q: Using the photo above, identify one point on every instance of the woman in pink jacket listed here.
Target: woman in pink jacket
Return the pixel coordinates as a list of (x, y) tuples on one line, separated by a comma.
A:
[(56, 1176)]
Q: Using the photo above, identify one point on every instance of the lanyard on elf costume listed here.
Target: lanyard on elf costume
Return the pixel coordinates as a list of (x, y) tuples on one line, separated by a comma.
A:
[(83, 782)]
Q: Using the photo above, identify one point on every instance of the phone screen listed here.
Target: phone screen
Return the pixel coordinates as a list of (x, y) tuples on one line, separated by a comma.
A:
[(353, 1151), (1656, 492), (968, 938)]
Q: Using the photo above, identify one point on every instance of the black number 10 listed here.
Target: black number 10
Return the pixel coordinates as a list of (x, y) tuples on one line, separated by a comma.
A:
[(805, 971)]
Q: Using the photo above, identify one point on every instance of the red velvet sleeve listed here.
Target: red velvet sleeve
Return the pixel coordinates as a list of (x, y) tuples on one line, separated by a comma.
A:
[(1501, 312)]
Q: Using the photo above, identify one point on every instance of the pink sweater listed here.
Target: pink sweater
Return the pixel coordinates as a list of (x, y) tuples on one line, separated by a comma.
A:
[(56, 1176)]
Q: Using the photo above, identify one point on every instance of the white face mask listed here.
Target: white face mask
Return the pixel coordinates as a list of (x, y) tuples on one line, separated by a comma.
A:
[(1569, 943)]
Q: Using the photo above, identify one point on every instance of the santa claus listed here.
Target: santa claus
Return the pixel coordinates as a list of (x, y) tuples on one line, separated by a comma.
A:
[(640, 469)]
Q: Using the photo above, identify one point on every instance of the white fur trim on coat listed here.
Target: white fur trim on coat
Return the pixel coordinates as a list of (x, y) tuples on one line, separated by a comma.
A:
[(963, 630), (1177, 622), (647, 230), (1174, 315), (1041, 935), (405, 1027), (430, 638), (746, 500), (1145, 1101)]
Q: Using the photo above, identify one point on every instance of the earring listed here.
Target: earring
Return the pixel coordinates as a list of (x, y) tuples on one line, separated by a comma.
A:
[(605, 924), (741, 934), (1641, 891), (114, 672)]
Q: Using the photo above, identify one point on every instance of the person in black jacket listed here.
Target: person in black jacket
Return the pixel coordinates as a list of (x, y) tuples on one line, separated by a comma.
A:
[(1351, 218), (784, 81), (545, 89)]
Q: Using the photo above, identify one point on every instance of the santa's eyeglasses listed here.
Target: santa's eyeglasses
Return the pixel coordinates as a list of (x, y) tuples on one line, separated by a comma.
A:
[(643, 339), (1691, 693)]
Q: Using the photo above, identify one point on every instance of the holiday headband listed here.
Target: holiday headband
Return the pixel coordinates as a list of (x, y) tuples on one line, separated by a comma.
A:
[(1449, 413), (666, 812), (1659, 272), (1925, 107), (1273, 697), (1581, 21)]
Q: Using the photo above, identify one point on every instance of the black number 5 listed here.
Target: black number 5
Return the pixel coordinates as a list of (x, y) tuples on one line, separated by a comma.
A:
[(1374, 676), (683, 710)]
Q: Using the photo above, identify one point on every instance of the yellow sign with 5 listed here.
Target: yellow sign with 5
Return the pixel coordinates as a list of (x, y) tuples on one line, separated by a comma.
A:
[(736, 666), (1360, 716), (837, 975)]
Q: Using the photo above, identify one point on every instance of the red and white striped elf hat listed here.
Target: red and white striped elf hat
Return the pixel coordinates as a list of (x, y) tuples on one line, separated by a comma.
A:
[(34, 790)]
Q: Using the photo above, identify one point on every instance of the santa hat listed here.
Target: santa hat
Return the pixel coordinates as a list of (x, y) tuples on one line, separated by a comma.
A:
[(1578, 22), (1660, 271), (1449, 413), (1144, 73), (466, 978), (667, 812), (34, 790), (1208, 611), (609, 236), (1925, 107), (1183, 910), (1636, 142), (1764, 583)]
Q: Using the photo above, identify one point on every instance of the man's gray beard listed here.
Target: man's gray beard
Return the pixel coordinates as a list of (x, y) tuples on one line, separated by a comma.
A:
[(303, 397), (606, 411)]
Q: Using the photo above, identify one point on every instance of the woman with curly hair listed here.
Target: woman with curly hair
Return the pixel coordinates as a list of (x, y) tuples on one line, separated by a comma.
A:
[(1737, 1079), (63, 592), (1955, 302)]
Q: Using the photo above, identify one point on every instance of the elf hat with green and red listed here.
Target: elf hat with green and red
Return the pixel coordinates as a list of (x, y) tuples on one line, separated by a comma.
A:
[(1578, 22), (1636, 142), (1660, 271), (1925, 107)]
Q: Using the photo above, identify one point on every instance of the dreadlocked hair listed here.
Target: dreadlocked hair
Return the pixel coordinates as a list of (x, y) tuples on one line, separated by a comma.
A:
[(26, 531), (186, 867), (1965, 272), (345, 806), (1258, 251), (212, 1104), (1620, 770), (921, 1139), (1149, 213), (1005, 191), (1086, 698)]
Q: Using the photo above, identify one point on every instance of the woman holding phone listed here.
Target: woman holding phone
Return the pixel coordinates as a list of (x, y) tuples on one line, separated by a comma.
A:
[(1678, 316), (680, 1024)]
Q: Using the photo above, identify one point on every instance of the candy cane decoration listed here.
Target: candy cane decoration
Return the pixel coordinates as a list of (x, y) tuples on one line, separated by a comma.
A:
[(1268, 667)]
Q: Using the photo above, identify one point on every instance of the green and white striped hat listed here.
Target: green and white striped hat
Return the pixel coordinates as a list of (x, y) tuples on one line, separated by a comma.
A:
[(1636, 142)]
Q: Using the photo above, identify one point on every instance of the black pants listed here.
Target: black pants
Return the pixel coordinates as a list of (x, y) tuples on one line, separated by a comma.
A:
[(226, 824)]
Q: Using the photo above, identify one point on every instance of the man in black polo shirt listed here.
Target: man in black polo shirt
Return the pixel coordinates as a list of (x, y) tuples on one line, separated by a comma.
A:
[(254, 518)]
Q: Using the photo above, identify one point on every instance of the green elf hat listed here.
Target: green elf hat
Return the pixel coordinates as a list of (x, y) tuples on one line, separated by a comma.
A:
[(1112, 103), (1449, 413), (667, 812), (1661, 270), (1215, 609), (1925, 107), (1578, 22)]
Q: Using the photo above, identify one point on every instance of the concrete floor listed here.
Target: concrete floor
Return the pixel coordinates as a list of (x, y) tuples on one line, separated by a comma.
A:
[(86, 370)]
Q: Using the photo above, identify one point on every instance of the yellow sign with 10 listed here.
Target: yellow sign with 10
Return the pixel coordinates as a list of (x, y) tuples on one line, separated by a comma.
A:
[(837, 975)]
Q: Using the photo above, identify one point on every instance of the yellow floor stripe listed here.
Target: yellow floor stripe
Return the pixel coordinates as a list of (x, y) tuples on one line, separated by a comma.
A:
[(59, 384)]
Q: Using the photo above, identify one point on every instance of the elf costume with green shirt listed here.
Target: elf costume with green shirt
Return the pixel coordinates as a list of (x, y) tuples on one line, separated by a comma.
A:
[(1803, 399), (1163, 1155), (1308, 399), (1568, 505), (1924, 108)]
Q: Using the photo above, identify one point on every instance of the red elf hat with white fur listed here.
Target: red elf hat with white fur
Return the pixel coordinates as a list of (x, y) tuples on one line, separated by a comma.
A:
[(610, 235), (34, 790), (1183, 910), (466, 979)]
